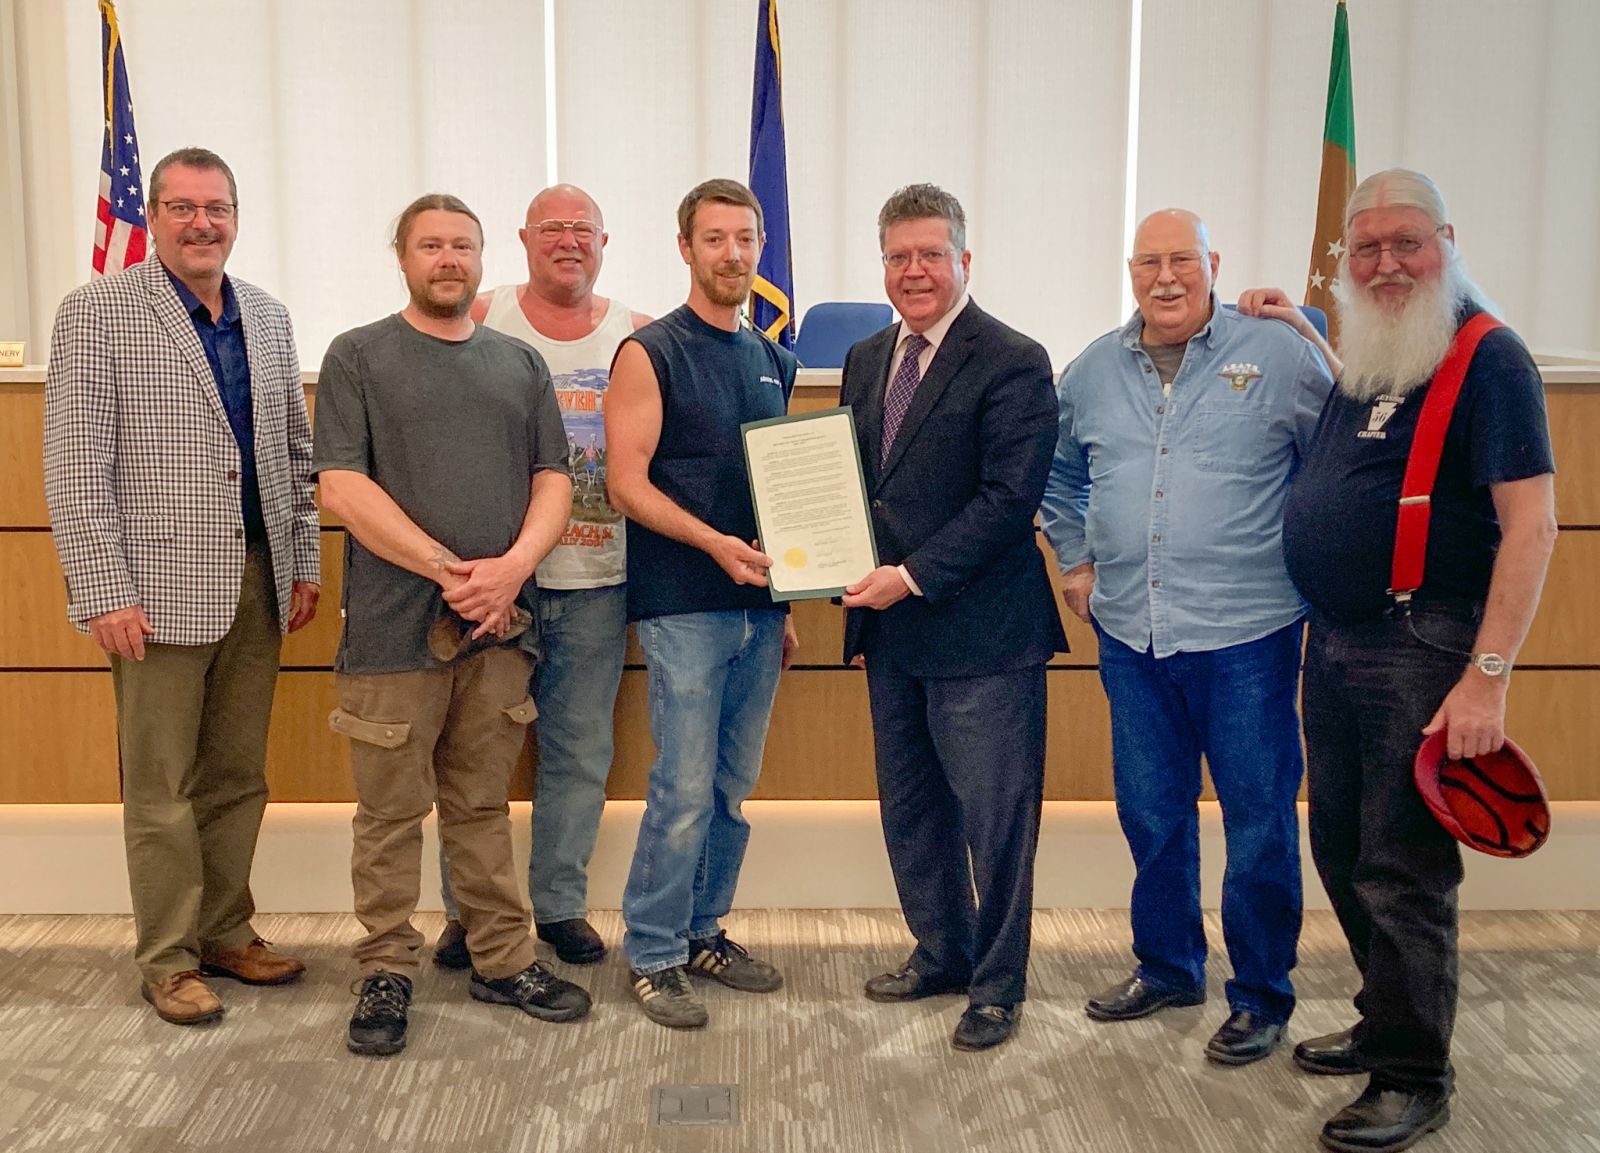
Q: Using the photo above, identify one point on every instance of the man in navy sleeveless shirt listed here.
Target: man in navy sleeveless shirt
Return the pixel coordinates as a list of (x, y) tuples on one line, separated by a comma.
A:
[(713, 640)]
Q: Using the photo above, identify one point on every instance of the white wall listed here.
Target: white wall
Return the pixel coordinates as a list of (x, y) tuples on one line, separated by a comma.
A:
[(334, 115)]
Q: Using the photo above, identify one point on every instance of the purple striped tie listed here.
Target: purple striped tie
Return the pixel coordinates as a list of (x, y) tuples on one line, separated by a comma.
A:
[(901, 389)]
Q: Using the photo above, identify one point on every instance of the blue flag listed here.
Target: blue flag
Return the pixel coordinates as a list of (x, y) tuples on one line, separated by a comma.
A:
[(772, 295)]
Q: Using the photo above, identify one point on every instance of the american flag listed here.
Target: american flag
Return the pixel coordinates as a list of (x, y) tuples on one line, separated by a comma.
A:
[(119, 233)]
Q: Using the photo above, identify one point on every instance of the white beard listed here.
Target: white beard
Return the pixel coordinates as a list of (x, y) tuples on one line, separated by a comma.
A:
[(1394, 353)]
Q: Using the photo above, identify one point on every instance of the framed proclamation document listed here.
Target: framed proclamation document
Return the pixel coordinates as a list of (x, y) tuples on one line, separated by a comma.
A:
[(811, 503)]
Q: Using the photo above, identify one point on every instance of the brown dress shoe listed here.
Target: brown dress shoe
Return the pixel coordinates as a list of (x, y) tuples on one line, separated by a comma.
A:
[(255, 964), (183, 999)]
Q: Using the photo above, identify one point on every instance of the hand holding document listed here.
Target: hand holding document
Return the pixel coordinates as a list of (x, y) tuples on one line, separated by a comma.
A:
[(811, 503)]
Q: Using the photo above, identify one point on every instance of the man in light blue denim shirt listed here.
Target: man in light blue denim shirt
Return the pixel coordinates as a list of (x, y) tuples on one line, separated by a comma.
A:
[(1180, 435)]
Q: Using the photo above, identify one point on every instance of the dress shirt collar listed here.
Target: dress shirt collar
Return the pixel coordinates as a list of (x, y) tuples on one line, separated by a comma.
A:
[(196, 308), (935, 333), (1133, 331)]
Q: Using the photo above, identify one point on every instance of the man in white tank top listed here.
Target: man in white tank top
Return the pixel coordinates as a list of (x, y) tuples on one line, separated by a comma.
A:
[(582, 603)]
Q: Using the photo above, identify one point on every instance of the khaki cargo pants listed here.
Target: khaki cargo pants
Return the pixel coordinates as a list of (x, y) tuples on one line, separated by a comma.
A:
[(452, 735)]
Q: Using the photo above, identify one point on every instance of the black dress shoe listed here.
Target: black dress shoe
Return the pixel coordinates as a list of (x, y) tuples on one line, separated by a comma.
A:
[(1333, 1055), (450, 950), (1385, 1121), (574, 941), (984, 1027), (909, 985), (1134, 998), (1243, 1038)]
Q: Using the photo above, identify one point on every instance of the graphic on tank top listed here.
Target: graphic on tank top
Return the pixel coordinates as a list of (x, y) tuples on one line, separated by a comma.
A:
[(582, 395)]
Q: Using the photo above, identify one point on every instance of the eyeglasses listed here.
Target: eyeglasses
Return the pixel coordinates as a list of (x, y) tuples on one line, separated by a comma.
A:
[(184, 211), (927, 257), (1401, 247), (1182, 263), (583, 231)]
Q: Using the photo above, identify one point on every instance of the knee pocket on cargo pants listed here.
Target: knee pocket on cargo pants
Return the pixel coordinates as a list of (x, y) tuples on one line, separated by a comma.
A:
[(393, 774)]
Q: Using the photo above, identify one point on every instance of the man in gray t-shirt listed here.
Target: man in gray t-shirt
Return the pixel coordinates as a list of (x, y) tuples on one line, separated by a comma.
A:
[(451, 431), (440, 446)]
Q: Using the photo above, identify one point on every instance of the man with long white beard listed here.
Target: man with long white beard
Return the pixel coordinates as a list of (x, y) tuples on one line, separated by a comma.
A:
[(1382, 668)]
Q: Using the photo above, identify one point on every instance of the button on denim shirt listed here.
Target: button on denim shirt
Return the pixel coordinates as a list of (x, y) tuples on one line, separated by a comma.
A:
[(1178, 500)]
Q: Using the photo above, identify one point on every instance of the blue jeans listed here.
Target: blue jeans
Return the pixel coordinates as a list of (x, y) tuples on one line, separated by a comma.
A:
[(582, 636), (1236, 706), (712, 680)]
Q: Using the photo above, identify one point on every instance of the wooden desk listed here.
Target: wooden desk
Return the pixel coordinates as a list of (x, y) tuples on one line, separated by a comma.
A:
[(57, 717)]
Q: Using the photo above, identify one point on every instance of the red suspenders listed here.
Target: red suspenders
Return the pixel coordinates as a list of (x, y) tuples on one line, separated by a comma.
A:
[(1422, 465)]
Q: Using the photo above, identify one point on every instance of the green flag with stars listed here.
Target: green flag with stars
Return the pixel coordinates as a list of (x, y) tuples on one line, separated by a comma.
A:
[(1338, 177)]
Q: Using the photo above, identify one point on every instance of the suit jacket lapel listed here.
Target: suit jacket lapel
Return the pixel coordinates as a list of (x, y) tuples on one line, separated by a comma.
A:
[(954, 351), (180, 326)]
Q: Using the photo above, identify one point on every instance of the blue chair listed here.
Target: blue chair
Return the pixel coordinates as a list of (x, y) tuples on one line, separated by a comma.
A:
[(1318, 318), (828, 330)]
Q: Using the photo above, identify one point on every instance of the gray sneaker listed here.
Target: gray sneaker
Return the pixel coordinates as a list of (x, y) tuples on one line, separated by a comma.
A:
[(722, 960), (667, 999)]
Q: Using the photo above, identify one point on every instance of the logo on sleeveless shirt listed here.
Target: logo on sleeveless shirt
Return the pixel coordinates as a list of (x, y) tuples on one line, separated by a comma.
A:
[(772, 380), (1383, 407)]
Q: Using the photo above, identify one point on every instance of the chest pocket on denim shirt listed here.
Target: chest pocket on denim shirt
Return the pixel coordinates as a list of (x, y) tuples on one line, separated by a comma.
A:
[(1231, 438)]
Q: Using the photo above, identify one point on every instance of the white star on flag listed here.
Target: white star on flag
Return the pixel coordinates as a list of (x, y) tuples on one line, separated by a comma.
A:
[(1336, 249), (1316, 279)]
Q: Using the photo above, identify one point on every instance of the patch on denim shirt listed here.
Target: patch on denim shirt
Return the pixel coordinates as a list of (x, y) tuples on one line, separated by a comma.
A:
[(1240, 375)]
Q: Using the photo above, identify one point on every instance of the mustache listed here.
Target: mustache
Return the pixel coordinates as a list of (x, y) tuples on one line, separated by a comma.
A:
[(1381, 279), (734, 269), (1168, 293), (200, 236)]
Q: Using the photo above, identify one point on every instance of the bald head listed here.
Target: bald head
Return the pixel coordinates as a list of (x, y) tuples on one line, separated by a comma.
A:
[(564, 236), (1171, 230), (559, 200), (1172, 269)]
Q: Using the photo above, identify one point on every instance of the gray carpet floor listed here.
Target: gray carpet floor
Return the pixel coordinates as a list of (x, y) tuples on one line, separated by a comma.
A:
[(86, 1067)]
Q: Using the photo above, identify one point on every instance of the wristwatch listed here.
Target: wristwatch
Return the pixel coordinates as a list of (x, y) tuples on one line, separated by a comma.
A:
[(1491, 664)]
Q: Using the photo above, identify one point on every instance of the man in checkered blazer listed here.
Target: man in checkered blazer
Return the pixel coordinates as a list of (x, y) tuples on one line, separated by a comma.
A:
[(176, 457)]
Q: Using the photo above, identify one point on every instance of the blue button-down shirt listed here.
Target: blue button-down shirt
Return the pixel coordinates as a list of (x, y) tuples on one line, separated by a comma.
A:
[(223, 341), (1178, 499)]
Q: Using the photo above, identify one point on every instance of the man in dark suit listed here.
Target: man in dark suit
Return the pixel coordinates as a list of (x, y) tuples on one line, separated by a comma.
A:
[(956, 417)]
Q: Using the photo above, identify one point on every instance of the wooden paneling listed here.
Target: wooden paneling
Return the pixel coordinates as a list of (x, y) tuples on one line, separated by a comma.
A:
[(22, 456), (1552, 716), (317, 642), (306, 760), (1566, 630), (58, 738), (34, 630), (1574, 433)]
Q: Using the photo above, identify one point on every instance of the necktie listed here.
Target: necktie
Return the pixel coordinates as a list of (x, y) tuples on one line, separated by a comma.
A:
[(901, 389)]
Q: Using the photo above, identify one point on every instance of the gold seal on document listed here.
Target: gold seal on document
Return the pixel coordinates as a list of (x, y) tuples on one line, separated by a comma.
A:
[(795, 558)]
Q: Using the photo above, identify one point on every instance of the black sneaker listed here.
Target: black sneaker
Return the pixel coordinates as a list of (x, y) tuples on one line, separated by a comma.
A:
[(574, 941), (722, 960), (667, 999), (536, 991), (450, 950), (378, 1026)]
